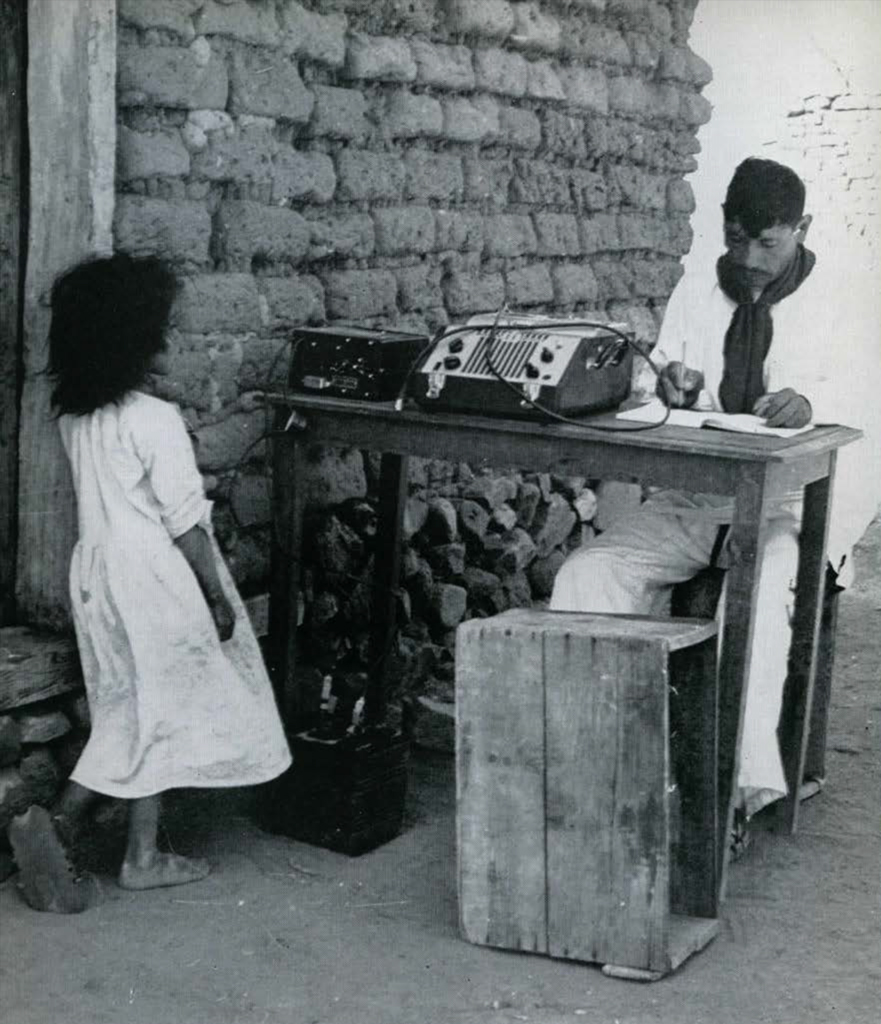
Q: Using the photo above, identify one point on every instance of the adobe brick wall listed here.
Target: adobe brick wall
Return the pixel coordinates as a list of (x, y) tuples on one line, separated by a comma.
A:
[(834, 141), (392, 163)]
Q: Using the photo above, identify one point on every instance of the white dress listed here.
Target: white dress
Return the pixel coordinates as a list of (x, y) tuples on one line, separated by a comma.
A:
[(170, 705)]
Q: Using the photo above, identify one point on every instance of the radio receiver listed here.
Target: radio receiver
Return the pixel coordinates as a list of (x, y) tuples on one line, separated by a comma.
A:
[(512, 365), (353, 362)]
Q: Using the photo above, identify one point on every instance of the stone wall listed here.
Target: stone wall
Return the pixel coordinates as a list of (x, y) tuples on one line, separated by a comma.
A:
[(400, 164), (397, 164)]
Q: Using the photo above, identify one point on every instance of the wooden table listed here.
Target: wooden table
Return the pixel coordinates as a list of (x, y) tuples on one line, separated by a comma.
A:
[(753, 469)]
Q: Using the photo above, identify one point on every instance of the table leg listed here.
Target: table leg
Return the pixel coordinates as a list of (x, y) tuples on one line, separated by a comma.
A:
[(393, 482), (806, 619), (745, 545), (288, 500)]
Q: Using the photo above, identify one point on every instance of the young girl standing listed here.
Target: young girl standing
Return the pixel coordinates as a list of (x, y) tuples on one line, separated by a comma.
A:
[(177, 690)]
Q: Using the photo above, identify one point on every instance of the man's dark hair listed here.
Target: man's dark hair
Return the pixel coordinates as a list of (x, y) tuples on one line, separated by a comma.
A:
[(763, 193), (109, 316)]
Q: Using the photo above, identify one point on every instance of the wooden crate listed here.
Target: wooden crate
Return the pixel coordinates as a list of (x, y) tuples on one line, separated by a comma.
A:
[(571, 841)]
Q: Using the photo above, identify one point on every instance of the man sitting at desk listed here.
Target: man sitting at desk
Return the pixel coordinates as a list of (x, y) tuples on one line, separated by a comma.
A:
[(772, 330)]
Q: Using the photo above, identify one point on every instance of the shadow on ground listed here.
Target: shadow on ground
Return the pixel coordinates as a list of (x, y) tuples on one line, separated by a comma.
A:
[(286, 933)]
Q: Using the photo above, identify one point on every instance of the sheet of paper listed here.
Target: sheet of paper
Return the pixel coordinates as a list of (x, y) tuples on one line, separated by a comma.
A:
[(741, 422)]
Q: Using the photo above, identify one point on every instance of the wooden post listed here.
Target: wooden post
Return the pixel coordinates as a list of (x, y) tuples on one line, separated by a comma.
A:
[(71, 102), (13, 192)]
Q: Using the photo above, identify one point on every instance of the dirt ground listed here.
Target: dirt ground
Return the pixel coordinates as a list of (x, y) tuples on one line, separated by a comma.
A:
[(286, 933)]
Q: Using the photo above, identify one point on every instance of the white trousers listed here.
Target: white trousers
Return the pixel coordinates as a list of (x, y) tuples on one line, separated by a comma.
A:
[(631, 568)]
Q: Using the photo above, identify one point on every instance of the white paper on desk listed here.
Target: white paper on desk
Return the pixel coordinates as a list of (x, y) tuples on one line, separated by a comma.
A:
[(738, 422)]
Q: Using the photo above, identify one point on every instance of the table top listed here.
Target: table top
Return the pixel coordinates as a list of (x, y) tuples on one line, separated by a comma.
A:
[(365, 418)]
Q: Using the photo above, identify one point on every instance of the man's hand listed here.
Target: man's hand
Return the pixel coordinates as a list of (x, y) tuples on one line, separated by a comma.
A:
[(786, 408), (679, 386), (223, 615)]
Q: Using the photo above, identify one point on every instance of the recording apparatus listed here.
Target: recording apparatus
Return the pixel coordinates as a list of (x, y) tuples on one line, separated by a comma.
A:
[(353, 362), (523, 365)]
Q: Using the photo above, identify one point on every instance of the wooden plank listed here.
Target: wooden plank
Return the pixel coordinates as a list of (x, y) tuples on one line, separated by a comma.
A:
[(745, 541), (13, 207), (393, 483), (500, 779), (36, 665), (694, 752), (71, 54), (288, 501), (806, 622), (607, 814), (721, 444), (673, 633)]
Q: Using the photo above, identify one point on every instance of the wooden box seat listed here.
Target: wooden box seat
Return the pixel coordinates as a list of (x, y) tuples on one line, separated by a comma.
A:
[(588, 824)]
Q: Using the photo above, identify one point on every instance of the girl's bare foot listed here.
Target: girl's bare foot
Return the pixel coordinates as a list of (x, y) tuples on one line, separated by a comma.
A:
[(161, 870)]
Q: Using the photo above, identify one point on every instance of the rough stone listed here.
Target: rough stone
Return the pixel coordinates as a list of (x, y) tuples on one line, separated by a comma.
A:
[(318, 37), (521, 128), (443, 67), (500, 71), (517, 551), (302, 175), (419, 287), (552, 524), (41, 727), (404, 230), (415, 516), (172, 15), (269, 85), (356, 294), (150, 154), (169, 76), (379, 57), (510, 234), (432, 175), (441, 526), (364, 175), (339, 113), (470, 120), (585, 88), (248, 231), (459, 230), (217, 302), (341, 235), (543, 82), (40, 774), (409, 115), (529, 286), (15, 796), (489, 19), (334, 475), (557, 234), (473, 519), (252, 23), (446, 560), (10, 741), (526, 502), (448, 604), (177, 230), (222, 445), (534, 29), (542, 572), (574, 283)]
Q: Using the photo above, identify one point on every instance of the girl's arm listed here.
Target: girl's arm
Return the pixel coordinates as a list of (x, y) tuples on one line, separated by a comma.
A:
[(195, 546)]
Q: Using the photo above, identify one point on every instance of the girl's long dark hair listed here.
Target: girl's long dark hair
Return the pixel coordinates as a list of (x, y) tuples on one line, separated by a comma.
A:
[(109, 316)]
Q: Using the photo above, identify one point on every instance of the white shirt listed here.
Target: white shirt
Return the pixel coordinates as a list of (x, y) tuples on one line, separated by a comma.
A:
[(826, 346)]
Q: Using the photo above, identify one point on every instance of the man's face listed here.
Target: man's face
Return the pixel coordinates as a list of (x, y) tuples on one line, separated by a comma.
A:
[(765, 258)]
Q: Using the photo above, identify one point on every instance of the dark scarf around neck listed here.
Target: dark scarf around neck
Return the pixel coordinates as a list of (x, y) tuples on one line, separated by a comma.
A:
[(749, 335)]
